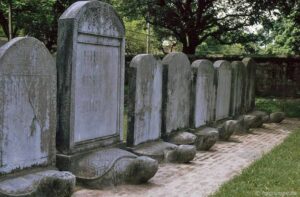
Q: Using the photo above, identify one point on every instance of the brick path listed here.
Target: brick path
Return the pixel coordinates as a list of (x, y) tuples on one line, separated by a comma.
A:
[(209, 169)]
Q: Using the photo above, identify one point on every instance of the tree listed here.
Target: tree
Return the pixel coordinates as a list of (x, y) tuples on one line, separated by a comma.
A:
[(193, 21), (37, 18)]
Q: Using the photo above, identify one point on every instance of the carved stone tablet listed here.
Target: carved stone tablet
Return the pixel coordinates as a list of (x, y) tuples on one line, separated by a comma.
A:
[(176, 101), (223, 74), (145, 99), (27, 105), (237, 88), (204, 90), (250, 83), (90, 62)]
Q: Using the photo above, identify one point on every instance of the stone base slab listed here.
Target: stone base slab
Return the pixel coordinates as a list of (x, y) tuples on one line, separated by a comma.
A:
[(47, 183)]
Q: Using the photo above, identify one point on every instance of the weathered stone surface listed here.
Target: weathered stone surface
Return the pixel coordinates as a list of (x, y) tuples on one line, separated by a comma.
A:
[(109, 166), (90, 63), (203, 93), (28, 122), (183, 154), (277, 117), (164, 151), (227, 128), (249, 98), (145, 100), (251, 121), (48, 183), (206, 138), (237, 88), (182, 137), (223, 92), (176, 92), (264, 115), (28, 118)]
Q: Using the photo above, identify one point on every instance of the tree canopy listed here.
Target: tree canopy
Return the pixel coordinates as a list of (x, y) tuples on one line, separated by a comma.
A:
[(192, 23)]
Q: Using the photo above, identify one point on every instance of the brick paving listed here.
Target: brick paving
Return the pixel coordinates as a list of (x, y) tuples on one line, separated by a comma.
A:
[(209, 170)]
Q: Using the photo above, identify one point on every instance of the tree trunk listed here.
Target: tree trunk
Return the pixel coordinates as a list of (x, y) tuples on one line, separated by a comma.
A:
[(191, 50), (4, 23), (190, 44)]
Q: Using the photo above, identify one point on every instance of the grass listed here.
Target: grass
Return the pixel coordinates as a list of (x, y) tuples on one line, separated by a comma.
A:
[(276, 174), (290, 106)]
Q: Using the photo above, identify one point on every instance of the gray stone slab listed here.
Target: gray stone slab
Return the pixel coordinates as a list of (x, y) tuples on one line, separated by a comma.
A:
[(203, 93), (33, 184), (28, 105), (28, 122), (250, 84), (145, 100), (167, 152), (90, 62), (223, 77), (237, 88), (176, 92)]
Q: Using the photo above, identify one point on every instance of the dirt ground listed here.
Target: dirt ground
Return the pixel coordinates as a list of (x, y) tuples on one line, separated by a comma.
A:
[(209, 170)]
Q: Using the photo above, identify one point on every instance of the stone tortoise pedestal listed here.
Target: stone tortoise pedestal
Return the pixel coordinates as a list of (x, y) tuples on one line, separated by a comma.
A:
[(107, 167), (48, 183), (166, 152)]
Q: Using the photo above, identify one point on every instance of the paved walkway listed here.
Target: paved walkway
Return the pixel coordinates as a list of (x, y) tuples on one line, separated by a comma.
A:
[(209, 169)]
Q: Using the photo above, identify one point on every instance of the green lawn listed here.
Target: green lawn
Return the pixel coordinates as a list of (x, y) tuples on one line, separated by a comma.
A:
[(276, 174), (290, 106)]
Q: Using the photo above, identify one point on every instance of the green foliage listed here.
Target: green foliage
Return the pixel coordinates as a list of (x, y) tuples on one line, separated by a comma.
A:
[(286, 36), (276, 173), (136, 36), (290, 106)]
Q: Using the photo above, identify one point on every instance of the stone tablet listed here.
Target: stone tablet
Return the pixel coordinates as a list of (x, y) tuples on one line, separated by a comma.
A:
[(204, 90), (145, 99), (250, 83), (237, 88), (90, 62), (176, 92), (223, 75), (28, 105), (28, 122)]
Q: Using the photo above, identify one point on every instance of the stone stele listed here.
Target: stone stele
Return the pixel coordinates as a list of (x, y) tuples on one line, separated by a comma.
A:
[(90, 62), (28, 122), (223, 92), (176, 89), (203, 93), (237, 88)]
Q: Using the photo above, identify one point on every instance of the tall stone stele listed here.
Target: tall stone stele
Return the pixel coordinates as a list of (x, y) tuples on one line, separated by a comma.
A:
[(28, 122), (203, 93), (176, 108), (249, 96), (223, 92), (238, 89), (203, 104), (90, 62)]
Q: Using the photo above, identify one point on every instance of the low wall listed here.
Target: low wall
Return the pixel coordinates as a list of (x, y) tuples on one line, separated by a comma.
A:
[(276, 76)]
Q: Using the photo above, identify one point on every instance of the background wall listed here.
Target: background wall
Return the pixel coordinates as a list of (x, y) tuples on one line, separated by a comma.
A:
[(276, 76)]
